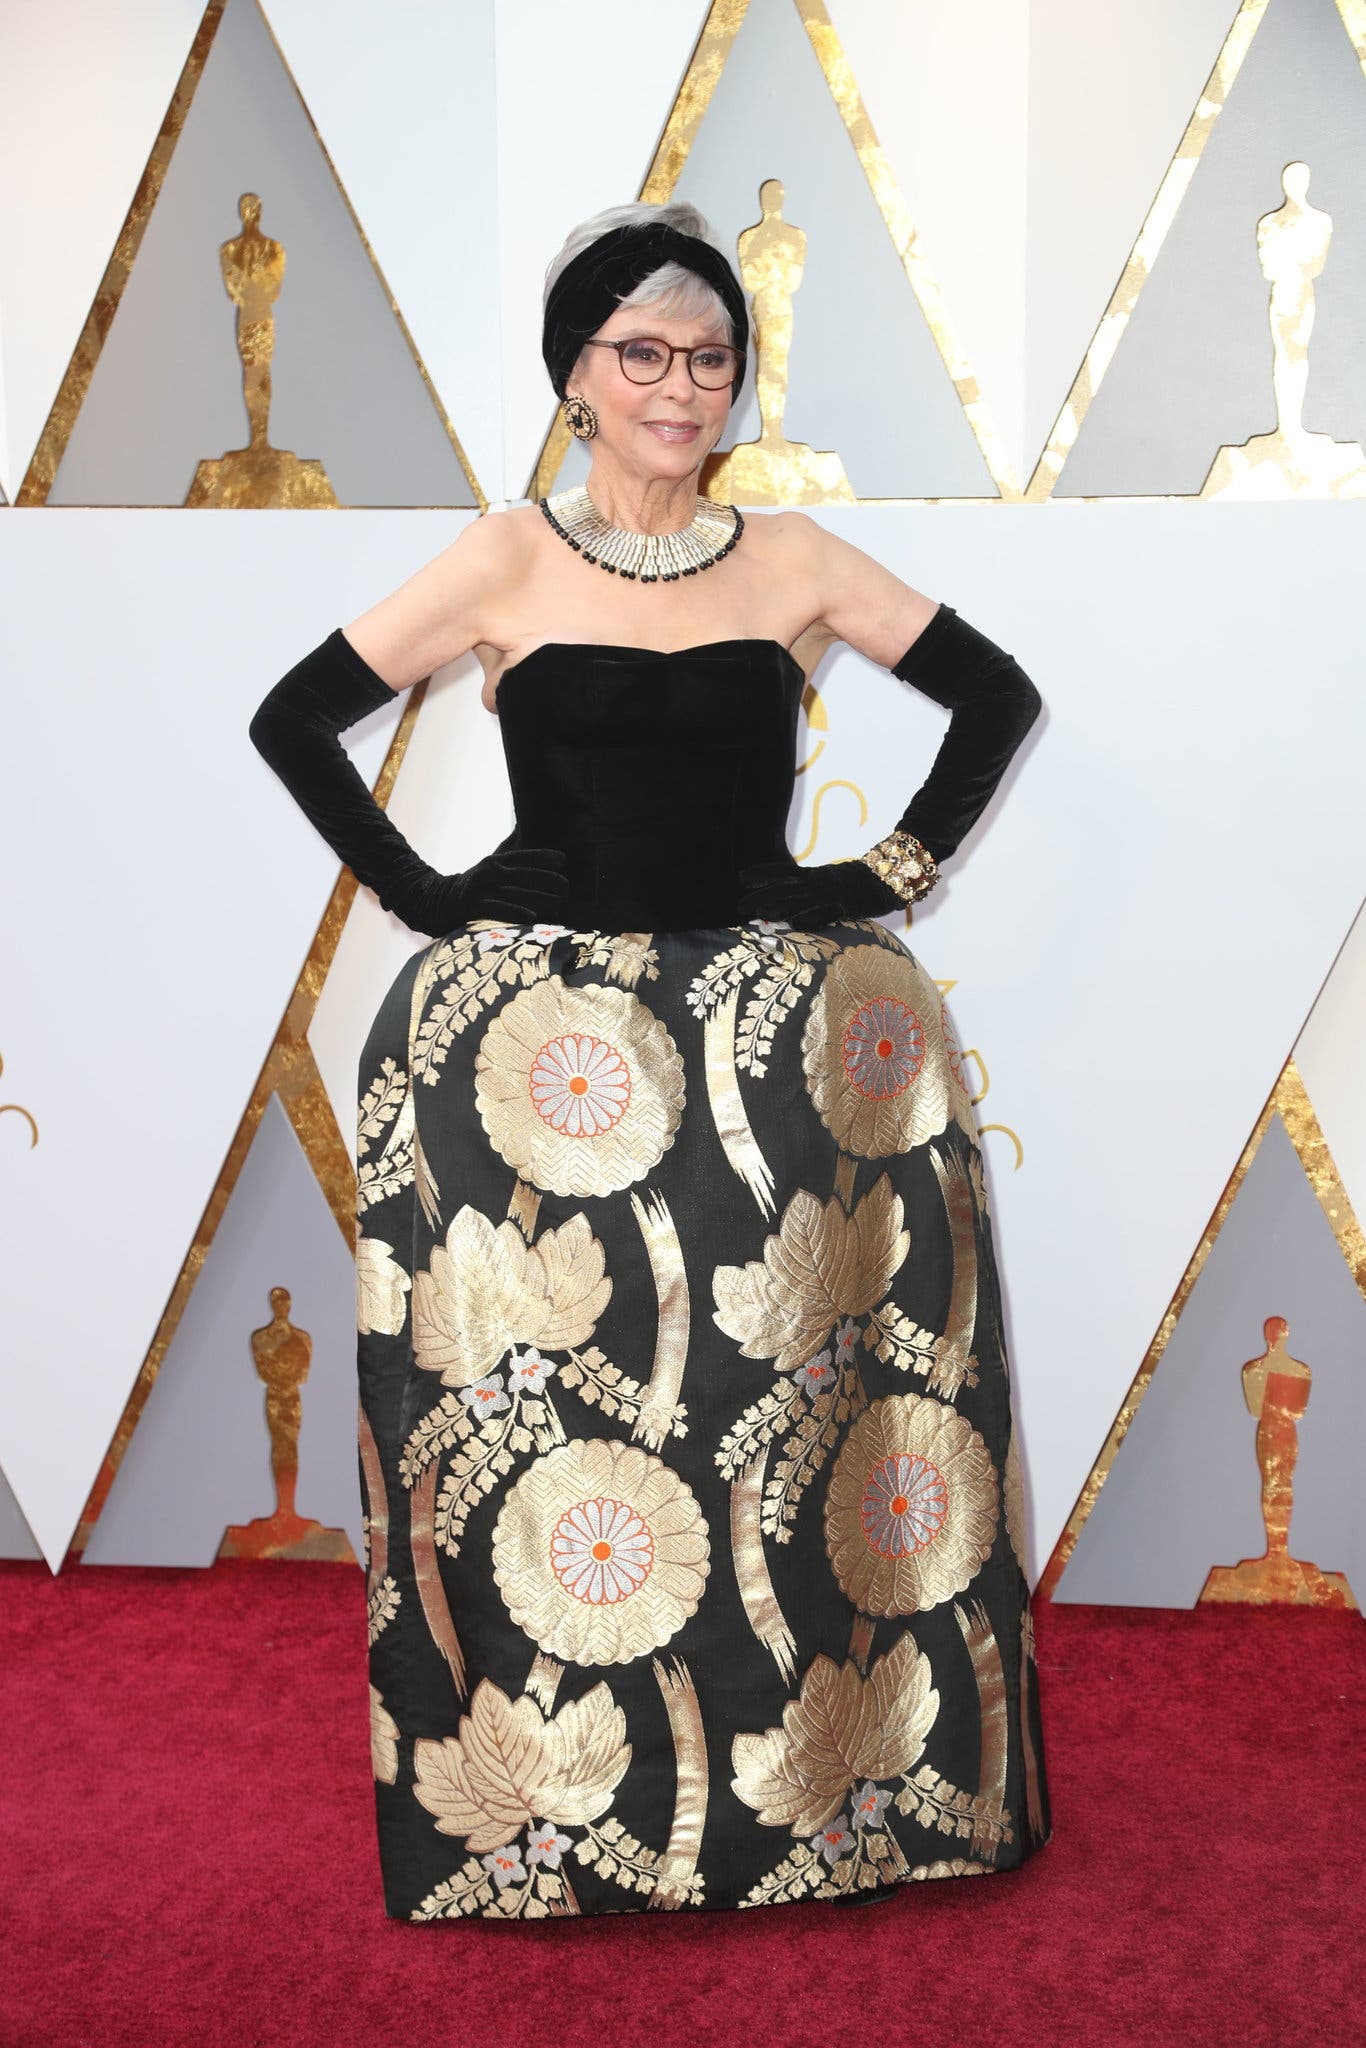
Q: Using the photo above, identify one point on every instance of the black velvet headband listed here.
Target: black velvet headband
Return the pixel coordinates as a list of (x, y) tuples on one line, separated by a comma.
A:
[(592, 285)]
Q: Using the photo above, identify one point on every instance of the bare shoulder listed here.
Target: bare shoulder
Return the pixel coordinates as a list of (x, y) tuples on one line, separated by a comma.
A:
[(442, 610), (790, 538), (857, 597)]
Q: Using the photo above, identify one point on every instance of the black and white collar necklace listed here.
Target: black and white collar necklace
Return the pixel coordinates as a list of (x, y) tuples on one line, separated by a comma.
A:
[(643, 557)]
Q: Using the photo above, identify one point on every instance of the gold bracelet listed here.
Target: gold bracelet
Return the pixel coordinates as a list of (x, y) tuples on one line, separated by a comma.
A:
[(904, 865)]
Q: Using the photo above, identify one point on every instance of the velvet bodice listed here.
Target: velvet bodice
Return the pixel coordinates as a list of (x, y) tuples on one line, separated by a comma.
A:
[(659, 774)]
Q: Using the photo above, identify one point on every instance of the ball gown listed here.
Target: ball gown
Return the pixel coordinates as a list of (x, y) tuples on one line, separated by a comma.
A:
[(693, 1511)]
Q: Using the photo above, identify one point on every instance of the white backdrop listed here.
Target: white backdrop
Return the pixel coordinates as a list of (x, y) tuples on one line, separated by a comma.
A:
[(1134, 936)]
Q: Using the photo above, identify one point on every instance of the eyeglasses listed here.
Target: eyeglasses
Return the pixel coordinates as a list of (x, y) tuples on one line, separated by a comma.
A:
[(647, 360)]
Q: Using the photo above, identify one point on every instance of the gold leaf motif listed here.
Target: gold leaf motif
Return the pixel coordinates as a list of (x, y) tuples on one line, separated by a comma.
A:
[(822, 1264), (381, 1288), (566, 1275), (510, 1765), (842, 1727), (383, 1740), (488, 1288)]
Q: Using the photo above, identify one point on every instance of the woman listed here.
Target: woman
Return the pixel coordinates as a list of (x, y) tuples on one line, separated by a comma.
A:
[(694, 1512)]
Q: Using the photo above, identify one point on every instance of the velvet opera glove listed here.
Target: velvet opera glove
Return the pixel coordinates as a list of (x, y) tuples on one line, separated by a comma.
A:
[(992, 704), (295, 730)]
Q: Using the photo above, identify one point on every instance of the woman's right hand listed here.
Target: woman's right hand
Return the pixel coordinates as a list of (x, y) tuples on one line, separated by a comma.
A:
[(519, 884)]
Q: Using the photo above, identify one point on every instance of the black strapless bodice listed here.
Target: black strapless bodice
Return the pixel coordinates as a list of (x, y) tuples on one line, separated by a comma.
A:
[(660, 775)]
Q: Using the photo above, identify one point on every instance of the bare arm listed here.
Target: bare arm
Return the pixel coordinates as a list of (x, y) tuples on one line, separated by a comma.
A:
[(992, 703), (858, 600), (442, 610), (430, 619)]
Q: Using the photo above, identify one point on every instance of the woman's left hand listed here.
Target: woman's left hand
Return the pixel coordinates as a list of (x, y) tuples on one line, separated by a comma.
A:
[(783, 890)]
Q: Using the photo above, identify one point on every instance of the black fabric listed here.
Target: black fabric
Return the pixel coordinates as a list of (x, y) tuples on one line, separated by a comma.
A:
[(295, 731), (685, 1416), (592, 285), (804, 893), (993, 704), (660, 775)]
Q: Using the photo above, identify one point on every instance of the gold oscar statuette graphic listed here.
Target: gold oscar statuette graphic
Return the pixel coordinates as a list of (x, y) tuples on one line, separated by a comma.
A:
[(282, 1355), (258, 475), (772, 470), (1290, 462), (1276, 1389)]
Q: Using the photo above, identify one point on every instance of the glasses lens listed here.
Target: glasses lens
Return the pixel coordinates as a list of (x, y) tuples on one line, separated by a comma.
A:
[(644, 361), (713, 367)]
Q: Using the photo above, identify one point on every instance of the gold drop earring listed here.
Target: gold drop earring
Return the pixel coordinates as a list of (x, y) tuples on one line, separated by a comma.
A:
[(580, 418)]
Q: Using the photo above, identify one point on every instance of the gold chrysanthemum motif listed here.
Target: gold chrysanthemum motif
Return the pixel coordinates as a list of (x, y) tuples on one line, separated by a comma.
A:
[(873, 1051), (580, 1089), (601, 1551), (911, 1505)]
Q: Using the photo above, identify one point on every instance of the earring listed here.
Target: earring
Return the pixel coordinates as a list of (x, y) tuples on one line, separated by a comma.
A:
[(580, 418)]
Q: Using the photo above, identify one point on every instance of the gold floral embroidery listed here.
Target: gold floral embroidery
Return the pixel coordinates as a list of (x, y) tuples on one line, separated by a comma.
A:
[(509, 1765), (601, 1551), (625, 956), (381, 1288), (822, 1264), (388, 1100), (781, 963), (383, 1740), (911, 1505), (874, 1054), (841, 1727), (487, 1288), (480, 960), (579, 1089)]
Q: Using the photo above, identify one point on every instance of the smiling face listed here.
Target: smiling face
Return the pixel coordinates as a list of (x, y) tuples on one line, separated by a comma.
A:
[(660, 430)]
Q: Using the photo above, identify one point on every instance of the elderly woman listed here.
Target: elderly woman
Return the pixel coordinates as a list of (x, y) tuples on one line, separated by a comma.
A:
[(694, 1539)]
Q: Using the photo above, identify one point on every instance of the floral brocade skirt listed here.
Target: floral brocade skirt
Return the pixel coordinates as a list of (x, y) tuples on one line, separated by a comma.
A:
[(693, 1510)]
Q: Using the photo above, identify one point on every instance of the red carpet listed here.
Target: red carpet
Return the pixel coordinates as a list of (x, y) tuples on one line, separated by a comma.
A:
[(189, 1858)]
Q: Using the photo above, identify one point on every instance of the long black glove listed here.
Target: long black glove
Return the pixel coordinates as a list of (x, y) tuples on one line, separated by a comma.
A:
[(992, 703), (295, 730)]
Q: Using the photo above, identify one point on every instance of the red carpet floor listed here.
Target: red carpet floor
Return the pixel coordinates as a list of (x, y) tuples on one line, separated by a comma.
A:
[(189, 1858)]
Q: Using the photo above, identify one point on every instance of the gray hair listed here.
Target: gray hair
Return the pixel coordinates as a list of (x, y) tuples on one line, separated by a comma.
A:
[(673, 287)]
